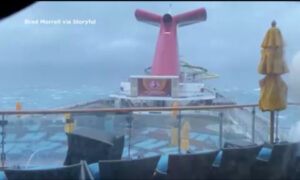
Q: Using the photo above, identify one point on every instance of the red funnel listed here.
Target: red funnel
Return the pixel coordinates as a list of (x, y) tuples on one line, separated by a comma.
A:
[(166, 54)]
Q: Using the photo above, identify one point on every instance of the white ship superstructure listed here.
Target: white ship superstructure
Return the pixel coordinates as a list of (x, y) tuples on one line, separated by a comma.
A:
[(187, 89)]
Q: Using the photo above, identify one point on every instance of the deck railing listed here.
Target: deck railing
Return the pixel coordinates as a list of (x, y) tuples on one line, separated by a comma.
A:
[(131, 109), (126, 110), (176, 110)]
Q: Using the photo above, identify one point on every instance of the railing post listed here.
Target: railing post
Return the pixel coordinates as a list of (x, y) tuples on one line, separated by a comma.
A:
[(272, 127), (221, 130), (179, 132), (253, 125), (276, 131), (129, 120), (3, 123)]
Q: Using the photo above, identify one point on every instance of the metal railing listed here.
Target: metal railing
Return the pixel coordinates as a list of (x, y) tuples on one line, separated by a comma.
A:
[(130, 111), (126, 110)]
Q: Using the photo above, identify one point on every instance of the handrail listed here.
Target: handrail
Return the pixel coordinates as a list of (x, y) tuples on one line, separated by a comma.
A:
[(125, 110)]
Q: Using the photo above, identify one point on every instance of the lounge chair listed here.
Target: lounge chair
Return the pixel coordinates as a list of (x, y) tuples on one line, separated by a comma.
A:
[(78, 171), (93, 145), (128, 169), (191, 166), (236, 162), (272, 162)]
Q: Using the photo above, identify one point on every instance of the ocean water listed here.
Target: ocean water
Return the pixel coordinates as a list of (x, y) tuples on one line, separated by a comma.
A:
[(57, 96), (43, 97)]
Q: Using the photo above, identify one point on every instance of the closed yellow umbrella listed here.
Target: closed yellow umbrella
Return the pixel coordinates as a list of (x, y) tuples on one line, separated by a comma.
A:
[(273, 93), (185, 131), (18, 108), (272, 53), (185, 136)]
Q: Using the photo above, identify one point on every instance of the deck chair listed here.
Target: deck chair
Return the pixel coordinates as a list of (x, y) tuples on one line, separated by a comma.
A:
[(236, 162), (78, 171), (128, 169), (93, 145), (190, 166), (294, 163), (275, 167), (161, 168)]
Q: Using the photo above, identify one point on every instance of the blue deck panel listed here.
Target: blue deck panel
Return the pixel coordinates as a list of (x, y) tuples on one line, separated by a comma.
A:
[(9, 146), (156, 145), (150, 154), (215, 138), (169, 149), (32, 136), (61, 150), (202, 137), (145, 143), (193, 135), (148, 130), (193, 147), (45, 145), (204, 151), (10, 137), (33, 127), (42, 167), (125, 152), (19, 148), (59, 137)]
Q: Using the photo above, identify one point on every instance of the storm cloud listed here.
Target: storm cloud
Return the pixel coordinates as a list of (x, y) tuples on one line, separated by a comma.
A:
[(118, 45)]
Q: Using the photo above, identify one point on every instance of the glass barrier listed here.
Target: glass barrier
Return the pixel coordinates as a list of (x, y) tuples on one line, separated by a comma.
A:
[(40, 139)]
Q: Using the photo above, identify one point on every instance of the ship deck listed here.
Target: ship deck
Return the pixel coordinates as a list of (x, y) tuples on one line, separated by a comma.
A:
[(40, 140)]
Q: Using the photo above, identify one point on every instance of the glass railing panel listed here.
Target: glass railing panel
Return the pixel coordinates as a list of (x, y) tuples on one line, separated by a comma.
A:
[(35, 140), (244, 126), (288, 123), (203, 129), (103, 121), (151, 133)]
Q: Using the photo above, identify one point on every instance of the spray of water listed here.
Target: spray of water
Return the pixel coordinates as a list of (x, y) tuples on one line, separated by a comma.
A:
[(294, 134), (294, 87), (294, 80)]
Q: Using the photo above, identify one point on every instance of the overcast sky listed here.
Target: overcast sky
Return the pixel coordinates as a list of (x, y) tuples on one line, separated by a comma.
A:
[(117, 46)]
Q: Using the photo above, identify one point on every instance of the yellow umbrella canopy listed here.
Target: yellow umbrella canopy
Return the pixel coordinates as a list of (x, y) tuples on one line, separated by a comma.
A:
[(273, 89), (273, 93), (272, 61)]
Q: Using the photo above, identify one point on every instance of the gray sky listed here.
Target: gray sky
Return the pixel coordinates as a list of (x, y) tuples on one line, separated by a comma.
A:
[(228, 43)]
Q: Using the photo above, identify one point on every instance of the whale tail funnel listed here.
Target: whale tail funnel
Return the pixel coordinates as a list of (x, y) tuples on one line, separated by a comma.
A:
[(148, 17)]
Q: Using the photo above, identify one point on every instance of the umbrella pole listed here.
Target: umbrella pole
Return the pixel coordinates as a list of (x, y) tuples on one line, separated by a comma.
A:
[(272, 117)]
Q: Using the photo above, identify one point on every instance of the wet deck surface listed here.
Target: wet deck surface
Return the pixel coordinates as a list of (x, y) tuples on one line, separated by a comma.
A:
[(42, 140)]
